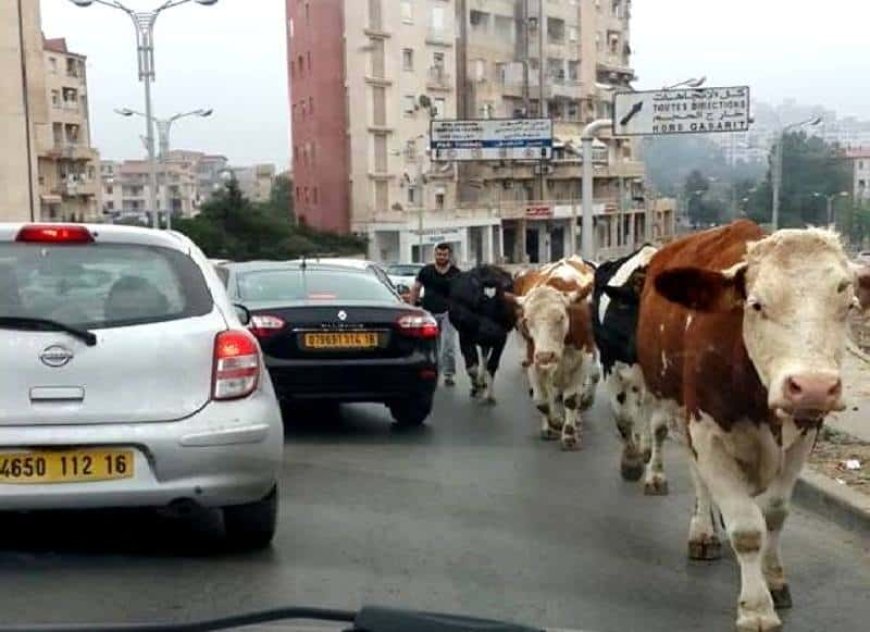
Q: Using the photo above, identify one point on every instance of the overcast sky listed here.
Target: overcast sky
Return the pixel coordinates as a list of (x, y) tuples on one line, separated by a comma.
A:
[(231, 57)]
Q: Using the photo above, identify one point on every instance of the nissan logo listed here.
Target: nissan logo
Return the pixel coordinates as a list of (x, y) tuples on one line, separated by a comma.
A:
[(56, 356)]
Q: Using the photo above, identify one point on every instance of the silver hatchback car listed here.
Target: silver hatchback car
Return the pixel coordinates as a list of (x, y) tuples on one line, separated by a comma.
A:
[(128, 379)]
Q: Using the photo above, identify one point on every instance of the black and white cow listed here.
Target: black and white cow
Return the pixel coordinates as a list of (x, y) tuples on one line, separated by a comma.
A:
[(482, 308), (615, 311)]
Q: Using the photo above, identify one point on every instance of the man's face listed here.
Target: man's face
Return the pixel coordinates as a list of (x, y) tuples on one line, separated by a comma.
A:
[(442, 256)]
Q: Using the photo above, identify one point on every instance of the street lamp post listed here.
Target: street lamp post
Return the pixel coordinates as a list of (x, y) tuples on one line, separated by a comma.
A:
[(163, 128), (143, 22), (776, 172), (587, 246), (829, 203)]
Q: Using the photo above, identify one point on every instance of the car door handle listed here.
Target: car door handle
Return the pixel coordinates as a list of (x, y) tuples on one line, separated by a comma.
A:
[(57, 394)]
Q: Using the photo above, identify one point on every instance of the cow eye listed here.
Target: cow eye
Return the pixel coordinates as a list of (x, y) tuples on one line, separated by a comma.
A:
[(755, 304), (842, 287)]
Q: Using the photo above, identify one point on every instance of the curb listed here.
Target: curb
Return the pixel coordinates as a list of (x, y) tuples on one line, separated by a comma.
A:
[(831, 500)]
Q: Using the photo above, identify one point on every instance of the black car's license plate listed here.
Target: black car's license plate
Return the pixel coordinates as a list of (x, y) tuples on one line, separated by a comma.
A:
[(340, 340)]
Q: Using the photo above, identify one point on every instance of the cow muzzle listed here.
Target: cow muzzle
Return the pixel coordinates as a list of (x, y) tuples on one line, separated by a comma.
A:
[(546, 359), (811, 395)]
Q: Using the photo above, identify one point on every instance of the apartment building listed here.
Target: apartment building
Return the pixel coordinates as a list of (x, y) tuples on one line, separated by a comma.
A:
[(125, 186), (367, 77), (69, 184), (255, 181), (859, 161)]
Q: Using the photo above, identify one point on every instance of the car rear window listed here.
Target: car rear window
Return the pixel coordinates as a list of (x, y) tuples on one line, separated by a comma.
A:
[(100, 285), (403, 270), (299, 285)]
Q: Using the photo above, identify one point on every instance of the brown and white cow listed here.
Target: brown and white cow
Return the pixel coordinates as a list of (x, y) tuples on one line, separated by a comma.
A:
[(571, 274), (557, 319), (742, 335)]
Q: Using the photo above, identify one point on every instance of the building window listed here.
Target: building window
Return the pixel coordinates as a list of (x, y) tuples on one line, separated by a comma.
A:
[(70, 97), (110, 190), (308, 54), (315, 195), (479, 69), (307, 13), (479, 21), (72, 67), (412, 195), (380, 147), (407, 12), (556, 30), (437, 24), (440, 194), (504, 28), (438, 61), (411, 150), (379, 105), (409, 104), (408, 59), (301, 66), (440, 108), (573, 34), (55, 98), (52, 64), (311, 105)]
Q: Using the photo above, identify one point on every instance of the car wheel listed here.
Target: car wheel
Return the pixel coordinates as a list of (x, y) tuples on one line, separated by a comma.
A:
[(411, 412), (252, 526)]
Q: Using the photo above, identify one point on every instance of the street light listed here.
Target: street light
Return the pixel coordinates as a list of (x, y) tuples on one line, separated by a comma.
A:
[(143, 22), (829, 201), (776, 176), (163, 128), (688, 83)]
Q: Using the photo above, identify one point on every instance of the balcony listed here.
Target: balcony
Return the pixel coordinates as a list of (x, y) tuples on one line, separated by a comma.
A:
[(559, 86), (439, 37), (439, 79)]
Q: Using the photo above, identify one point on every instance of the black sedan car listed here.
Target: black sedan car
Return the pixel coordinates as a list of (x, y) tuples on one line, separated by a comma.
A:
[(334, 333)]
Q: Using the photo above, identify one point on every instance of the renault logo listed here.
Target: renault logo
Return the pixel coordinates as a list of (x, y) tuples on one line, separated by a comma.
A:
[(56, 356), (342, 315)]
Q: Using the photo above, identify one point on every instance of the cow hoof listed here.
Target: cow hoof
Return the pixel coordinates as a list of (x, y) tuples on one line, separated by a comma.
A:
[(489, 400), (630, 470), (548, 434), (759, 623), (526, 364), (781, 597), (656, 487), (570, 443), (708, 549)]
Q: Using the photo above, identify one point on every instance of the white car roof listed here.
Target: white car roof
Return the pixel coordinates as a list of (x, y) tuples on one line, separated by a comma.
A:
[(360, 264), (110, 233)]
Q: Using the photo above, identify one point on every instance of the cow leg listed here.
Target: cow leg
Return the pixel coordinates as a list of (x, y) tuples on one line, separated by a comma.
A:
[(631, 464), (593, 376), (544, 402), (472, 362), (744, 521), (656, 483), (572, 426), (704, 543), (492, 363), (774, 504)]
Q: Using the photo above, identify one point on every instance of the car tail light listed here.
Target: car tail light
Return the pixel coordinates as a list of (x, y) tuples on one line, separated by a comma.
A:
[(236, 365), (55, 233), (265, 325), (418, 326)]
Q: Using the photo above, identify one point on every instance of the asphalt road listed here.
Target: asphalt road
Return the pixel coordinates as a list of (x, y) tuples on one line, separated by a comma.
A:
[(471, 514)]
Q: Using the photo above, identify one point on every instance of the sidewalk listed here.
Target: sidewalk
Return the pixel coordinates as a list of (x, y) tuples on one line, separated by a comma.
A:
[(827, 484)]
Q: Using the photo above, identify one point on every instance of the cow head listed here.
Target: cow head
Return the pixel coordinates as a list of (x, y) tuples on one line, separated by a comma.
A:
[(546, 321), (795, 289)]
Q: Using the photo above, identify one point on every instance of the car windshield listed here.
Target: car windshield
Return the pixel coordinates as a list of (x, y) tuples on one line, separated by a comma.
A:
[(98, 286), (298, 285)]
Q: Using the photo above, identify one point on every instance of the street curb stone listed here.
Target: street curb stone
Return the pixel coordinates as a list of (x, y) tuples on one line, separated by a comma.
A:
[(836, 502)]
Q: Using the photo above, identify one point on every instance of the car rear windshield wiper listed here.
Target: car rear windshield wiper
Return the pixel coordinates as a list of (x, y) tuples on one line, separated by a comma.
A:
[(45, 324)]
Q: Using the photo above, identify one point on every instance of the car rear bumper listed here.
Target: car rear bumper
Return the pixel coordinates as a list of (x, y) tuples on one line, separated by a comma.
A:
[(371, 380), (228, 453)]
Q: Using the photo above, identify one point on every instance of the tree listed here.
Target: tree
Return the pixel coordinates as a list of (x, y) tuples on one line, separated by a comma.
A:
[(230, 226), (702, 211)]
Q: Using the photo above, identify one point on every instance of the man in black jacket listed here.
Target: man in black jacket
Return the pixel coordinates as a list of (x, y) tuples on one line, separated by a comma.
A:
[(435, 278)]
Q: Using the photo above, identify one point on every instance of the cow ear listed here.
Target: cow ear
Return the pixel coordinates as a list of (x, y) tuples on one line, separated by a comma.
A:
[(622, 294), (862, 286), (703, 290)]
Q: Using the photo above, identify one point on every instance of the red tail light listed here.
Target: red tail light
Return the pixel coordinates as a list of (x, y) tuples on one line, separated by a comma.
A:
[(418, 326), (265, 325), (236, 365), (55, 233)]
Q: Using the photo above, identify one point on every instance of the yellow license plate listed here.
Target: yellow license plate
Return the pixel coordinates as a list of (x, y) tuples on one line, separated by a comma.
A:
[(342, 340), (65, 466)]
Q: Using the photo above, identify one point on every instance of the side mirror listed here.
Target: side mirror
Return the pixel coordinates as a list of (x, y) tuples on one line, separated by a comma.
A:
[(401, 288), (243, 313)]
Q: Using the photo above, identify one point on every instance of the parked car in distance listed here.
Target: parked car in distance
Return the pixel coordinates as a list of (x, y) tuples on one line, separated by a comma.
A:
[(404, 275), (333, 332), (129, 380)]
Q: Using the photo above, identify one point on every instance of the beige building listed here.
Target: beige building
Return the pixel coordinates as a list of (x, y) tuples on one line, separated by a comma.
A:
[(69, 185), (48, 169), (255, 181), (22, 106), (402, 63), (125, 186)]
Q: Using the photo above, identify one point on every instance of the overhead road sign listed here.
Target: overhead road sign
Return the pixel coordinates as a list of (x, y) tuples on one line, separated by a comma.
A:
[(683, 111), (491, 139)]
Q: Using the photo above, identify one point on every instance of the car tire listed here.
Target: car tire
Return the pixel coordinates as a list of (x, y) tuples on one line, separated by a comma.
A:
[(411, 412), (252, 526)]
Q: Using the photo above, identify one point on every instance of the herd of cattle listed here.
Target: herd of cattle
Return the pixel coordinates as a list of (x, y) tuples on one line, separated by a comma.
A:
[(731, 337)]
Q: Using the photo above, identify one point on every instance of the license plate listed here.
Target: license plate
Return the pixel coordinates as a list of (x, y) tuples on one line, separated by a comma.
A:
[(341, 340), (65, 466)]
